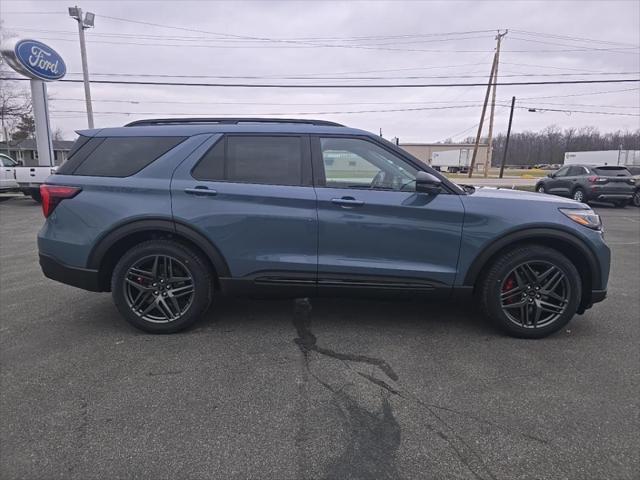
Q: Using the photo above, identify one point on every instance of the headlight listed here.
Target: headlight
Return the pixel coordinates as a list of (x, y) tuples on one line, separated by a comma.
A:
[(586, 217)]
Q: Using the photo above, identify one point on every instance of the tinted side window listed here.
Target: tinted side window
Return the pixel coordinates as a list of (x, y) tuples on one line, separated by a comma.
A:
[(562, 172), (124, 156), (576, 171), (253, 159), (211, 165), (78, 154), (272, 160)]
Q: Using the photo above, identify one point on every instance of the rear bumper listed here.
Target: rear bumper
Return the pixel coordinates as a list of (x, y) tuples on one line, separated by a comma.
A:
[(613, 196), (77, 277)]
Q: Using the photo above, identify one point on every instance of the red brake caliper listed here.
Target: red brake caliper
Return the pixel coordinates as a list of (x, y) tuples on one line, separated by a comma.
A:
[(508, 285)]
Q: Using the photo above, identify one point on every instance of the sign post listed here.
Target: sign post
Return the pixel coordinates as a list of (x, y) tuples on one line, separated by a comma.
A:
[(41, 119), (41, 64)]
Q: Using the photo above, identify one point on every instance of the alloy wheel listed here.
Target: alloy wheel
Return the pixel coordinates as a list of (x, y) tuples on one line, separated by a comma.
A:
[(636, 199), (534, 294), (541, 189), (578, 196), (159, 288)]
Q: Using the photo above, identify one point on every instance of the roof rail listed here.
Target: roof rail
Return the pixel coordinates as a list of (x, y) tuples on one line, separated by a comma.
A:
[(227, 121)]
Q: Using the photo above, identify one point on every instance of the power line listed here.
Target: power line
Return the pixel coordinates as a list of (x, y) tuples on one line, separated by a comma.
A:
[(568, 37), (330, 85), (580, 111), (569, 45), (200, 39), (345, 112), (302, 45), (302, 77), (583, 94), (280, 104)]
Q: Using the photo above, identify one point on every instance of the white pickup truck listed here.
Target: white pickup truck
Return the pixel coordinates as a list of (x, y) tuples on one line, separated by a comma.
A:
[(29, 179)]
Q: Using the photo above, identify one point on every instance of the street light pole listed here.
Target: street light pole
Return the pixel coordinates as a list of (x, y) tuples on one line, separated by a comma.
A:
[(84, 23)]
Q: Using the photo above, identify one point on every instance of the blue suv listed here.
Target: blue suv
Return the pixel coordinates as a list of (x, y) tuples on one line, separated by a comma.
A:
[(166, 214)]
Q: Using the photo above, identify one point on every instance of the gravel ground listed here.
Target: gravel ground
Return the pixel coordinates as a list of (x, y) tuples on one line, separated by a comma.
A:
[(326, 388)]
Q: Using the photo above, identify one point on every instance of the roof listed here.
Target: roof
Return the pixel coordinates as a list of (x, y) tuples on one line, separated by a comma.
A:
[(456, 145), (30, 144), (201, 126)]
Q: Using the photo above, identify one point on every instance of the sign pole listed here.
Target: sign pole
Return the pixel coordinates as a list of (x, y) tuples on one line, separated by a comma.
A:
[(41, 118)]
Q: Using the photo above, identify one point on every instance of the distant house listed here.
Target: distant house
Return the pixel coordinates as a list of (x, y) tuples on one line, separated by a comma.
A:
[(27, 152)]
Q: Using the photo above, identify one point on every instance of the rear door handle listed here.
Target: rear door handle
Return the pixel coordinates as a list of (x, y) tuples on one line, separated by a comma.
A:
[(201, 191), (347, 202)]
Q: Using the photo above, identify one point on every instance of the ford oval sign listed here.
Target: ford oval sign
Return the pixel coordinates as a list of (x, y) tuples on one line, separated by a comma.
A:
[(36, 60)]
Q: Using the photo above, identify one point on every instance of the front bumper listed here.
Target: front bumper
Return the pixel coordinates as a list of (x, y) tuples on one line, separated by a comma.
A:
[(77, 277)]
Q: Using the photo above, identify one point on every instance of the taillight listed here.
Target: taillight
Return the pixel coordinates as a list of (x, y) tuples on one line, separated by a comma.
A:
[(52, 195), (595, 179)]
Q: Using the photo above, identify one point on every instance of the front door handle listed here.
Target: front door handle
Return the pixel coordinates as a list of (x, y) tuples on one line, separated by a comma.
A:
[(347, 202), (201, 190)]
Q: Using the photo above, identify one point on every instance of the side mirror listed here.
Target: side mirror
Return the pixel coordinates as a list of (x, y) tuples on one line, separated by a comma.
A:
[(427, 183), (551, 174)]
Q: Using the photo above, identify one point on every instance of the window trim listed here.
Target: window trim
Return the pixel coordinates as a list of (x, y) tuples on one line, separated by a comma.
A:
[(320, 177), (305, 152)]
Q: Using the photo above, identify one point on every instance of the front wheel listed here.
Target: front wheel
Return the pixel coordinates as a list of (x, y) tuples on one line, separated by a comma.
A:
[(161, 286), (531, 291), (636, 199), (540, 189)]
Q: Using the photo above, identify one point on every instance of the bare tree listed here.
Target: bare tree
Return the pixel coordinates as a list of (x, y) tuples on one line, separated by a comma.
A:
[(58, 135), (15, 103)]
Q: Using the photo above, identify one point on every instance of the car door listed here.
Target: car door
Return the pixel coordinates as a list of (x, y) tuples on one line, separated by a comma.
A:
[(7, 179), (559, 184), (574, 176), (252, 196), (375, 231)]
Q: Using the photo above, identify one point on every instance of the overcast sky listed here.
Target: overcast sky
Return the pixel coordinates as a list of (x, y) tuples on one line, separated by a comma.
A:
[(345, 43)]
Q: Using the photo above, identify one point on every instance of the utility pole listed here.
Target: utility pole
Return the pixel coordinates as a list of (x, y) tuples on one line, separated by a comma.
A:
[(84, 22), (484, 111), (506, 143), (487, 164)]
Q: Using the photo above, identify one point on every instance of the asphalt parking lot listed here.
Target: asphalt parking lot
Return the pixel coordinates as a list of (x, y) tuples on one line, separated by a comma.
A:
[(326, 388)]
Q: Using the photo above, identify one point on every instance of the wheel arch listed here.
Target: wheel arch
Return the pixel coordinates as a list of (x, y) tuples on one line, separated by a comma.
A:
[(569, 245), (112, 245)]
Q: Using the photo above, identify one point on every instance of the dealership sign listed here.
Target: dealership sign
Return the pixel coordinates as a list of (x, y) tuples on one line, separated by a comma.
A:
[(35, 60)]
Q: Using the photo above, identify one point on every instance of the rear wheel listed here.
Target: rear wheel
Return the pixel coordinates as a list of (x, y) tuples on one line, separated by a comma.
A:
[(161, 286), (531, 291), (578, 195)]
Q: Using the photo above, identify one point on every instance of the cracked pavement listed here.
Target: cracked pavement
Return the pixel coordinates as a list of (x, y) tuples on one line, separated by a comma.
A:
[(312, 389)]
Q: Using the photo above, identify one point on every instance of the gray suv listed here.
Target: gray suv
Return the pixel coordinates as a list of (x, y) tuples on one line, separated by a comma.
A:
[(586, 183)]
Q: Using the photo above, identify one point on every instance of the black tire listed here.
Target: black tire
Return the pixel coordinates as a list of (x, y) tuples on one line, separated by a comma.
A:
[(192, 269), (540, 188), (635, 201), (496, 276), (578, 195)]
